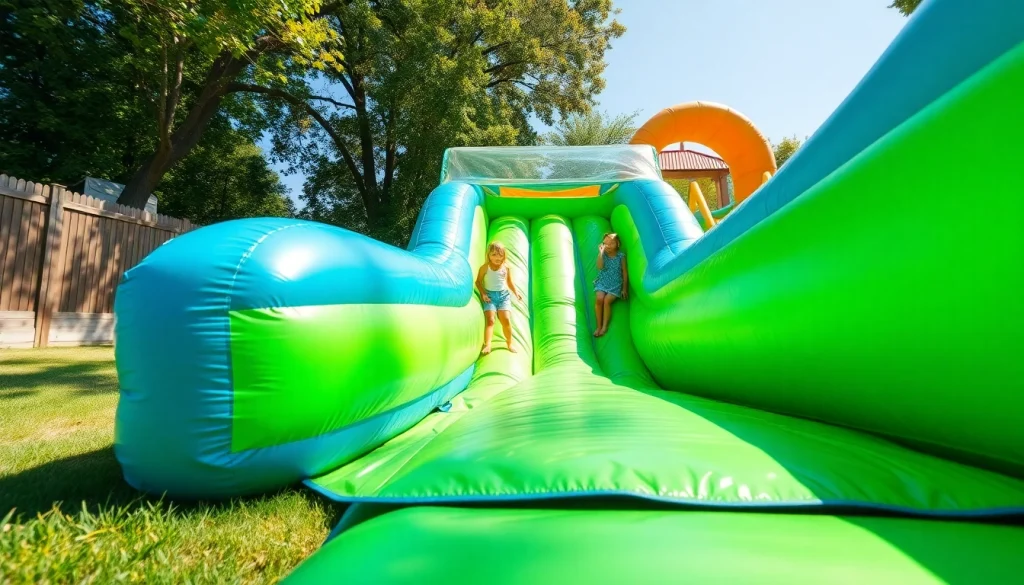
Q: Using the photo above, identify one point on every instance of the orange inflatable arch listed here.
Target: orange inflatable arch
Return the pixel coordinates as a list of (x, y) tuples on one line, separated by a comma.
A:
[(720, 128)]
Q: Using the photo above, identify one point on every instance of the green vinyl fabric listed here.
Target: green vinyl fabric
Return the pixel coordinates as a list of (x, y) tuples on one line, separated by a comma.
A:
[(506, 546), (588, 421), (883, 298), (827, 386)]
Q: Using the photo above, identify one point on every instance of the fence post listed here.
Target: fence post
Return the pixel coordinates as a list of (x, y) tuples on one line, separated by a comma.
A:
[(49, 279)]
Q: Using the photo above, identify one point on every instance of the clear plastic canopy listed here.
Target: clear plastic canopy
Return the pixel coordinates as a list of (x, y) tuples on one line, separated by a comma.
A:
[(504, 165)]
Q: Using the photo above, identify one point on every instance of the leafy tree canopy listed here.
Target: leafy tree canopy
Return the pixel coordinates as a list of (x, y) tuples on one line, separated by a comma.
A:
[(224, 177), (906, 7), (785, 149), (593, 128), (362, 95), (418, 77)]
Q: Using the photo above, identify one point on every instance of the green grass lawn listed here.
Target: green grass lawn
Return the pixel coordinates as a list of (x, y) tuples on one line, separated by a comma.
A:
[(68, 515)]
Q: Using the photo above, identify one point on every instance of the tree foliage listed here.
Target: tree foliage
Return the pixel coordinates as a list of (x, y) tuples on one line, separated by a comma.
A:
[(418, 77), (188, 53), (71, 105), (224, 177), (67, 106), (592, 128), (906, 7), (785, 149), (707, 186), (362, 95)]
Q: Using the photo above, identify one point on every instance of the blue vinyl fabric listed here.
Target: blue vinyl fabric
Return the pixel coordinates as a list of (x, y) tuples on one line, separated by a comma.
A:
[(173, 423), (173, 430), (173, 338)]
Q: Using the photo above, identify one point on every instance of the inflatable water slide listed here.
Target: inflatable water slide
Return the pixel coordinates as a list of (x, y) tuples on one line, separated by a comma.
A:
[(826, 386)]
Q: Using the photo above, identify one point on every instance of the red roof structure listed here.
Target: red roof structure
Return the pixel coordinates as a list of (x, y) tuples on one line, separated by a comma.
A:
[(689, 161), (691, 165)]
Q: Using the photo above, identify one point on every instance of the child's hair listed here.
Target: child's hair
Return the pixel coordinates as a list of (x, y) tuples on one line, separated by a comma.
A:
[(614, 237), (497, 247)]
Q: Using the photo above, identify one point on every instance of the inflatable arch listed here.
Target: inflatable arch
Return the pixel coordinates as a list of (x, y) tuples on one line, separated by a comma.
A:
[(722, 129)]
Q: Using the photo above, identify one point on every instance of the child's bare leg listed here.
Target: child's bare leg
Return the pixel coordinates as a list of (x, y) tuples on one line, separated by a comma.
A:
[(608, 300), (488, 331), (506, 328), (598, 312)]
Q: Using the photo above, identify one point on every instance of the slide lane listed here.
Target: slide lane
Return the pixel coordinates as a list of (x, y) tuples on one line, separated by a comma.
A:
[(569, 431), (616, 354)]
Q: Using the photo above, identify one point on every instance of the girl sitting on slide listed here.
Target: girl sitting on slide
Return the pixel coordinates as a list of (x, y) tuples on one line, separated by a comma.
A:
[(494, 281), (612, 280)]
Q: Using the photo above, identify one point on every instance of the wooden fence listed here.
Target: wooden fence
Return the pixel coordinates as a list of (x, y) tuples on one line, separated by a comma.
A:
[(62, 255)]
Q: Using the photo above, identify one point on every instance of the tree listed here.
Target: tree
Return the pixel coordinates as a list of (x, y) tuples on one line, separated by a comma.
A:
[(224, 177), (141, 81), (67, 107), (906, 7), (785, 149), (593, 128), (69, 110), (187, 55), (417, 78)]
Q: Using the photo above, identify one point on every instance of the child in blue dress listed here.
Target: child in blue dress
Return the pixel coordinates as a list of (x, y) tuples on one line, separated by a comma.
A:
[(494, 281), (612, 280)]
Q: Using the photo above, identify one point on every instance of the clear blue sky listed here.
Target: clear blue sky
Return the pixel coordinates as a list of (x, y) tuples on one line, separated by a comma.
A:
[(785, 64)]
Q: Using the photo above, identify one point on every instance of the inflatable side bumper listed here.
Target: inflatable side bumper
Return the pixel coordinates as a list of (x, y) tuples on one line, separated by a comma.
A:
[(255, 353)]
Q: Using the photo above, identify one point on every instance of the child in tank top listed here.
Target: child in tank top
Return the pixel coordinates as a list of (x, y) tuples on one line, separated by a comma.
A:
[(494, 281)]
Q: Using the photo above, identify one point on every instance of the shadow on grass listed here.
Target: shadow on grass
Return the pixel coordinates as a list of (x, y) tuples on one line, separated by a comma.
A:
[(94, 480), (86, 377)]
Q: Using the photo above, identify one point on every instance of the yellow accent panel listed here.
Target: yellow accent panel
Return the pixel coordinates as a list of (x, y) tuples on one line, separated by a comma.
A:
[(586, 191)]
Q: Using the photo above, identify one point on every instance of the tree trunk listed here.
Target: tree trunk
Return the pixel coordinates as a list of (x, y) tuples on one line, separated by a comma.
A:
[(223, 70), (136, 192)]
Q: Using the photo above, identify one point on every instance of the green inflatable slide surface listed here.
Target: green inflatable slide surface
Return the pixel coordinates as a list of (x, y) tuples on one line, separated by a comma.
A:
[(825, 387), (856, 352)]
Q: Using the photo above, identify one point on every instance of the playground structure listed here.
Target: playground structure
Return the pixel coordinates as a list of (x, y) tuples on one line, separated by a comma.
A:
[(811, 391)]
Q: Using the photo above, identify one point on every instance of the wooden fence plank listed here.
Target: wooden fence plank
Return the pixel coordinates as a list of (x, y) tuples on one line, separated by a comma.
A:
[(50, 271), (25, 244), (102, 246), (132, 246), (86, 248), (69, 255), (84, 208), (111, 276), (10, 259), (63, 252), (122, 257), (81, 256), (9, 222), (34, 262), (85, 273), (14, 194)]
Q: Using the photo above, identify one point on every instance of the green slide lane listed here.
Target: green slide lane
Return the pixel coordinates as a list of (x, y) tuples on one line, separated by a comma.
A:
[(569, 430), (463, 546), (615, 351)]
